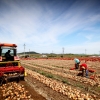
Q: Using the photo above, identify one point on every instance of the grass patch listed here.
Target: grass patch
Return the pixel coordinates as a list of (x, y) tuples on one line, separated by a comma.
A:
[(79, 85), (49, 76), (97, 89), (66, 81)]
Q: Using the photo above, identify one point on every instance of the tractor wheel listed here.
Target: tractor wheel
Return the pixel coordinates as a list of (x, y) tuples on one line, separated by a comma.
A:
[(22, 78)]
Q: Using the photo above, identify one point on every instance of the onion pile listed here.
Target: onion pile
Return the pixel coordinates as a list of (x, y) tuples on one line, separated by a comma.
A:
[(10, 74), (14, 91)]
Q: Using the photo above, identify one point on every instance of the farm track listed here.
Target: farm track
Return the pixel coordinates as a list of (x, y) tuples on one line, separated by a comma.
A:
[(44, 90)]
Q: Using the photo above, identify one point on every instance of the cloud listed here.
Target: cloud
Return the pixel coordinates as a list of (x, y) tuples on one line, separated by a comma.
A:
[(90, 47), (43, 24)]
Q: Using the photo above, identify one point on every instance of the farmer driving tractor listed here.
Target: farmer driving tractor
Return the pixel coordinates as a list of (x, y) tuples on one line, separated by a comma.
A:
[(7, 55)]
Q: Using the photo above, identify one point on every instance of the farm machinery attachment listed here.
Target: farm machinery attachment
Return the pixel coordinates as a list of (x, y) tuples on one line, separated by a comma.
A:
[(10, 66)]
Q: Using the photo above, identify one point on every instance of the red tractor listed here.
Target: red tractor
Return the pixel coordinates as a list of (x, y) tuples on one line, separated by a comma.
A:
[(10, 66)]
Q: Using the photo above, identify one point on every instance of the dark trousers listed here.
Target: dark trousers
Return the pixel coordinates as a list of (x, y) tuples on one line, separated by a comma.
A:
[(84, 72), (77, 65)]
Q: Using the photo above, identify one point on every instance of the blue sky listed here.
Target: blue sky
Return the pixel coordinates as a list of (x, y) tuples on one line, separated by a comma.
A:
[(47, 26)]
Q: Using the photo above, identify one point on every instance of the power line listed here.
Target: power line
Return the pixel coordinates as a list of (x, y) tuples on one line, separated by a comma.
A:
[(63, 50), (29, 52), (24, 50), (85, 51)]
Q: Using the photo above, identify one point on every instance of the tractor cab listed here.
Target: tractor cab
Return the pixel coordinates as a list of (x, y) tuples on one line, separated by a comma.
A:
[(10, 66), (8, 52)]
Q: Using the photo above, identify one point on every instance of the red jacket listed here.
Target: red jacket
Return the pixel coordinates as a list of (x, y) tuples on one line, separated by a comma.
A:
[(83, 66)]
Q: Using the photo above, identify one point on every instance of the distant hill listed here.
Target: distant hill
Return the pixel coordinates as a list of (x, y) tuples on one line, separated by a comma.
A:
[(31, 52)]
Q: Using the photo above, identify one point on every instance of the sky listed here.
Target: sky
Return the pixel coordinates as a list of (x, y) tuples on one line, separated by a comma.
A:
[(51, 26)]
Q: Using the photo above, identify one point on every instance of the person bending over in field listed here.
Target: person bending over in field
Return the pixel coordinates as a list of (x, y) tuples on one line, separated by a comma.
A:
[(77, 62), (84, 69)]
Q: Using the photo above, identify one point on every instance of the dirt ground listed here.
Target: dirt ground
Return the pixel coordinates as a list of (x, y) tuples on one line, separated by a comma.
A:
[(45, 91), (34, 94)]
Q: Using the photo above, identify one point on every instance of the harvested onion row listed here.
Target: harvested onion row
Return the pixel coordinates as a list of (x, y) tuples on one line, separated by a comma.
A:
[(48, 64), (56, 68), (73, 77), (73, 94)]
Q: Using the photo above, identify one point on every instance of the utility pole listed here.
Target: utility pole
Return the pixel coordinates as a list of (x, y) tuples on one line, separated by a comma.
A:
[(24, 50), (52, 53), (29, 52), (99, 52), (85, 51), (63, 51)]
